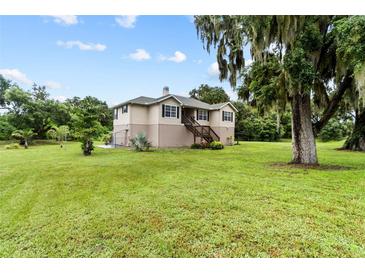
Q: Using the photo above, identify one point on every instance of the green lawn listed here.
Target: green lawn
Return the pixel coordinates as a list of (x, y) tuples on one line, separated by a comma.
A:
[(181, 203)]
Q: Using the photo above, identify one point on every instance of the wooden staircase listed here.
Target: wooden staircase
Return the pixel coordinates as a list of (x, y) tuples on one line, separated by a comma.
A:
[(204, 132)]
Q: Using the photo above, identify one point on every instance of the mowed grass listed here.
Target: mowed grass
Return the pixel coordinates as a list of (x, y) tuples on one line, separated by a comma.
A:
[(237, 202)]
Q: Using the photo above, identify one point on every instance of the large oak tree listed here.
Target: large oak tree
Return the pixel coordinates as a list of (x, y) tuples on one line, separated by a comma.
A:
[(312, 67)]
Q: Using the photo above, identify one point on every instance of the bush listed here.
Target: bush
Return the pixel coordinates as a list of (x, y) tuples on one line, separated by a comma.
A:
[(12, 146), (335, 130), (253, 126), (140, 142), (6, 129), (196, 146), (107, 138), (257, 129), (215, 145)]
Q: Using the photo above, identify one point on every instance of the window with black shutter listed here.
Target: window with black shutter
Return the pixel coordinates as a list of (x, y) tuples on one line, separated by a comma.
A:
[(202, 114), (227, 116), (170, 111)]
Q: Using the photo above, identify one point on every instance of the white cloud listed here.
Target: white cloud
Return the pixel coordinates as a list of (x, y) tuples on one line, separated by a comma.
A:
[(16, 75), (60, 98), (213, 69), (81, 45), (52, 85), (178, 57), (126, 21), (65, 19), (140, 55)]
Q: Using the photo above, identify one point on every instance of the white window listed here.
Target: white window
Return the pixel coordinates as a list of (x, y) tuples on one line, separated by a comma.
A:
[(170, 111), (202, 114), (228, 116), (125, 109)]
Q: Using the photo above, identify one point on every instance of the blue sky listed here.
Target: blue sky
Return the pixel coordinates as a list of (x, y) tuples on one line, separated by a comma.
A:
[(114, 58)]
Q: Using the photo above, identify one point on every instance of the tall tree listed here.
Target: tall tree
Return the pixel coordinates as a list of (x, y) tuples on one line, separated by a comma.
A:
[(86, 122), (210, 95), (305, 47), (262, 87), (350, 39), (4, 85), (104, 114)]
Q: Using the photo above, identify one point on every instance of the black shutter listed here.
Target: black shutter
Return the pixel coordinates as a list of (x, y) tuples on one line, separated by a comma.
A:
[(126, 109), (177, 112), (197, 114), (208, 115), (222, 115), (163, 110), (231, 116)]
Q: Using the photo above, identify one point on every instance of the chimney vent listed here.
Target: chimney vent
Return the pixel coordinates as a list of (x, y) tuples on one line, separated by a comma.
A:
[(165, 91)]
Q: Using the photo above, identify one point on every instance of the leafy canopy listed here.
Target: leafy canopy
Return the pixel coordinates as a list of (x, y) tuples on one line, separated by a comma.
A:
[(210, 95)]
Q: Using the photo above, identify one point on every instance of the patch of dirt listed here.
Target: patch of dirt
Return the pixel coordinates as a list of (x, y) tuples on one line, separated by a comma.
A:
[(307, 166)]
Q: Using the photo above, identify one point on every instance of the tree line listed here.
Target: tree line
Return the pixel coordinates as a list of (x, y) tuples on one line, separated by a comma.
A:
[(33, 114), (257, 123)]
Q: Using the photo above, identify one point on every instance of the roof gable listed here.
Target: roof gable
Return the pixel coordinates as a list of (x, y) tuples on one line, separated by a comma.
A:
[(182, 100)]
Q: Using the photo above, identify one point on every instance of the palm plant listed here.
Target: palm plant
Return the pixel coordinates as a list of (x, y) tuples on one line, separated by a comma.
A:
[(24, 136), (59, 133), (140, 142)]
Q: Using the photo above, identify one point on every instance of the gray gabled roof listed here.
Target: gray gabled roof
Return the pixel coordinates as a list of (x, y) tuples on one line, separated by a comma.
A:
[(141, 100), (184, 101), (220, 105)]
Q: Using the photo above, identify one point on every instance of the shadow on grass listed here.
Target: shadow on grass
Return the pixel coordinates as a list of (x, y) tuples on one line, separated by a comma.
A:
[(306, 166)]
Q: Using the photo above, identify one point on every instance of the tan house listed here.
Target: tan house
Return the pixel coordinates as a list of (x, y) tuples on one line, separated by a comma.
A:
[(173, 121)]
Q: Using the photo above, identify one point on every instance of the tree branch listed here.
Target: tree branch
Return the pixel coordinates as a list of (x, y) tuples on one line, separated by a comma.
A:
[(334, 103)]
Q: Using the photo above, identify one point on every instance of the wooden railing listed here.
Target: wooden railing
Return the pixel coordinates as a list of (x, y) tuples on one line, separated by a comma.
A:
[(204, 132)]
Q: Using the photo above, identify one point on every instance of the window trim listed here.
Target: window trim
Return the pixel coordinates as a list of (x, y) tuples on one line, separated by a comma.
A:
[(124, 109), (227, 116), (116, 113), (202, 117), (171, 107)]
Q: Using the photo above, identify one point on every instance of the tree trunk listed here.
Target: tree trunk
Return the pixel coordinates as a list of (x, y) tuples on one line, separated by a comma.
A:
[(356, 141), (303, 142), (88, 147), (25, 143)]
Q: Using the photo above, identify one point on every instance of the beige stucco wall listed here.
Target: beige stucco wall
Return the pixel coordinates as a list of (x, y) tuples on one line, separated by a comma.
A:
[(166, 131), (121, 135), (138, 128), (227, 123), (164, 135), (153, 133), (215, 118), (153, 114), (123, 118), (138, 114), (168, 120), (226, 134), (174, 136)]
